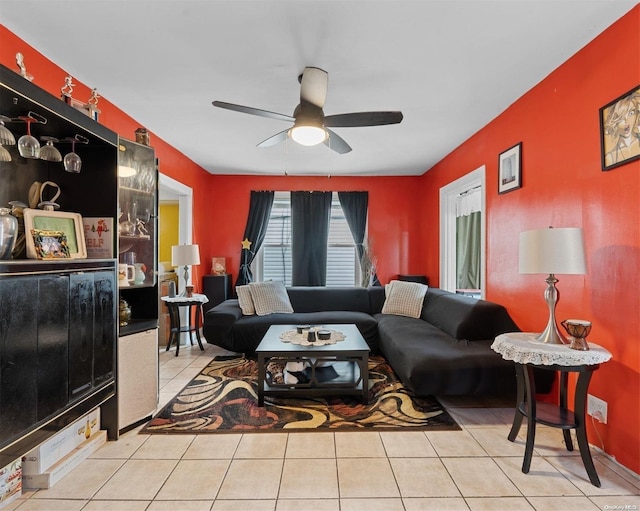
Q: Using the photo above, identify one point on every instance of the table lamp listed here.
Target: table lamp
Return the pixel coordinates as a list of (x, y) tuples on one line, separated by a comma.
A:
[(552, 251), (185, 255)]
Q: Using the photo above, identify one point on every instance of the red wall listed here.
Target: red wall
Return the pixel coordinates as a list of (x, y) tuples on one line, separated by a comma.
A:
[(394, 222), (564, 186), (173, 163)]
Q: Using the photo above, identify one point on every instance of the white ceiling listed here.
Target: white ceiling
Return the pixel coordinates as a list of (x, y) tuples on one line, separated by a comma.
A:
[(450, 66)]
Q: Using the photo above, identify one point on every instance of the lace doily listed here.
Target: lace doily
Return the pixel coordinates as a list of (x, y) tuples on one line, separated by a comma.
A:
[(294, 337), (193, 298), (522, 348)]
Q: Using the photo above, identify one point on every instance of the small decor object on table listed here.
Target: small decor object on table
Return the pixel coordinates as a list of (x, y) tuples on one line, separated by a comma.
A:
[(306, 335), (578, 329), (619, 130), (510, 169)]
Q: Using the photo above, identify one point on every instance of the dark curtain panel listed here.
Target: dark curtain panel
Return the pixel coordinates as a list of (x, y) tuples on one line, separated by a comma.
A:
[(257, 221), (310, 214), (354, 205)]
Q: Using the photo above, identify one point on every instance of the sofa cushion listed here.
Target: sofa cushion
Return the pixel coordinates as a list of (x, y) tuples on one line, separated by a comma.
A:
[(245, 300), (270, 297), (463, 317), (404, 298), (316, 298), (248, 331)]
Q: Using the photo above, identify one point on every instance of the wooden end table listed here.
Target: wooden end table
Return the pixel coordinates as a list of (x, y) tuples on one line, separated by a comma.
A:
[(173, 304), (528, 353)]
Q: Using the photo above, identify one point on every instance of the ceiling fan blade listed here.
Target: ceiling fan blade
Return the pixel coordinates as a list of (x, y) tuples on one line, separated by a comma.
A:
[(253, 111), (357, 119), (274, 139), (337, 143), (313, 86)]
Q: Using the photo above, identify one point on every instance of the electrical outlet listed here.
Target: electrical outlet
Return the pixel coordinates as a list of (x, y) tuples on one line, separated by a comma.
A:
[(597, 408)]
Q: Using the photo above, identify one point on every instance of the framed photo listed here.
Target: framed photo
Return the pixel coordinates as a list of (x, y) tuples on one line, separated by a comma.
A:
[(69, 224), (510, 169), (218, 266), (50, 244), (620, 131)]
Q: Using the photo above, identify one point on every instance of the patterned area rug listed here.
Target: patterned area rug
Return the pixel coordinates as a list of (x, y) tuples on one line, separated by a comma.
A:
[(223, 398)]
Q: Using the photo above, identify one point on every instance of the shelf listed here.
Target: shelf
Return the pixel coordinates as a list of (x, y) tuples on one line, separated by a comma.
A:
[(138, 325)]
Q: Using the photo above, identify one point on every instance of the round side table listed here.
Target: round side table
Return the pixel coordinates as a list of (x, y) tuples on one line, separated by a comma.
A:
[(528, 353), (173, 304)]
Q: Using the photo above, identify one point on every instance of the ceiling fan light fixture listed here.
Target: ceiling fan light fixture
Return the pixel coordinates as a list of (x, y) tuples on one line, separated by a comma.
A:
[(308, 135)]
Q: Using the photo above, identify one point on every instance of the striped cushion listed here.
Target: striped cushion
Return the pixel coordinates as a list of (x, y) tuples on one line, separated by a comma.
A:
[(245, 300), (270, 297), (404, 298)]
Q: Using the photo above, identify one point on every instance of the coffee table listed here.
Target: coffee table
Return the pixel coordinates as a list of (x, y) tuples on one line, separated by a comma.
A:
[(349, 358)]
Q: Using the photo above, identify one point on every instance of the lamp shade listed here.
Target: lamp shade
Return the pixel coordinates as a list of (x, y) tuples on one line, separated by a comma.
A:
[(552, 251), (185, 255)]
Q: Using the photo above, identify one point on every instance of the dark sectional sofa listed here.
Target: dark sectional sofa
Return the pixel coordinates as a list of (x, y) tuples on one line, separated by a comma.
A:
[(444, 352)]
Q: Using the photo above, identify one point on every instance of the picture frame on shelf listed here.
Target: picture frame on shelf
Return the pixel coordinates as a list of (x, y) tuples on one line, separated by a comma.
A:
[(510, 169), (69, 224), (619, 130), (50, 244)]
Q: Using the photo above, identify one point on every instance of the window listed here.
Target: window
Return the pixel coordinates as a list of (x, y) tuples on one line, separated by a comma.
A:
[(273, 261)]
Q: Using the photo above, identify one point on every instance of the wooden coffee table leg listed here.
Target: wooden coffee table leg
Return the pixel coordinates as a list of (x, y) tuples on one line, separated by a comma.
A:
[(262, 366), (364, 374)]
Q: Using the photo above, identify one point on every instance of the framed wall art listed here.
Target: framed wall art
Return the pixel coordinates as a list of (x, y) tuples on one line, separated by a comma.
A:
[(66, 224), (510, 169), (620, 131)]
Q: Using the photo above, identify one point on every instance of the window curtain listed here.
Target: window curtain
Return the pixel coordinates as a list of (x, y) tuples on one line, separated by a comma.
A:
[(259, 211), (310, 214), (355, 206), (468, 228)]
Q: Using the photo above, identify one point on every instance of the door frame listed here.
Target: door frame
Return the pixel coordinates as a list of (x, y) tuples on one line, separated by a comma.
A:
[(448, 196), (184, 195)]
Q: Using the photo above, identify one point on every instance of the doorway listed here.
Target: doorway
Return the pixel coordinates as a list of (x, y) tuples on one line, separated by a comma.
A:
[(175, 192), (472, 184)]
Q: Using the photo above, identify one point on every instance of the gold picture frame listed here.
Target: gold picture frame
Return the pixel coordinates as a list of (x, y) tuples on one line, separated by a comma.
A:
[(50, 244)]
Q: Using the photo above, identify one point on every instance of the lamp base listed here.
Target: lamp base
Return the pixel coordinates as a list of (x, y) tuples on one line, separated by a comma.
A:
[(551, 334)]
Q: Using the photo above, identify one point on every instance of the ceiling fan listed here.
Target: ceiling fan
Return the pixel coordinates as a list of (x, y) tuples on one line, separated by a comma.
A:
[(310, 125)]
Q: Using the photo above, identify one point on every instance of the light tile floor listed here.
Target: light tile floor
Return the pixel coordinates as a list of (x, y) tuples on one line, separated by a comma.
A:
[(473, 469)]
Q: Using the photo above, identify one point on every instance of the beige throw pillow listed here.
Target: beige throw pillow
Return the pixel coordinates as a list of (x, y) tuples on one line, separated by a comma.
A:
[(245, 300), (404, 298), (270, 297)]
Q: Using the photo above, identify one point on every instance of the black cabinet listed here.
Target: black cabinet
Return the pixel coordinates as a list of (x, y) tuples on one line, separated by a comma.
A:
[(18, 355), (52, 361), (217, 288), (91, 327), (57, 344), (58, 327)]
